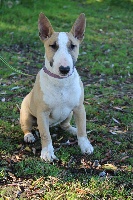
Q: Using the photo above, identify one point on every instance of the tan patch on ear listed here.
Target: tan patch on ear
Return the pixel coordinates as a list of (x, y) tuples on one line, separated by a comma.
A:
[(49, 51)]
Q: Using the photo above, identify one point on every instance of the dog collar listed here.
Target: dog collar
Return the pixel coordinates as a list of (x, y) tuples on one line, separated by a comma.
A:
[(55, 75)]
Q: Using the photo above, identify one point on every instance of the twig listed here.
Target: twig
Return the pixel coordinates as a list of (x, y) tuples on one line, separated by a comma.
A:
[(18, 107), (61, 195)]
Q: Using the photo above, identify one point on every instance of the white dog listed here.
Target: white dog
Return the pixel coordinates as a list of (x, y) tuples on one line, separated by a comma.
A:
[(58, 91)]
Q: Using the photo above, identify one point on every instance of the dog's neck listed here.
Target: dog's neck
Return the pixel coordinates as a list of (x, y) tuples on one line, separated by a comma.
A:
[(50, 81), (55, 75)]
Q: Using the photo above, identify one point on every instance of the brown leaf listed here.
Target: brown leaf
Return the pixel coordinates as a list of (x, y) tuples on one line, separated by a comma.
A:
[(81, 191), (38, 181), (124, 158), (108, 154)]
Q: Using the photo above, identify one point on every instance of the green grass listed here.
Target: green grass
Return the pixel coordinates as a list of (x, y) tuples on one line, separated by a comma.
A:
[(106, 68)]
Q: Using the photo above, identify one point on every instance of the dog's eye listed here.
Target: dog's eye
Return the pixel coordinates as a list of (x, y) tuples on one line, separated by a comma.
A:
[(54, 46), (72, 46)]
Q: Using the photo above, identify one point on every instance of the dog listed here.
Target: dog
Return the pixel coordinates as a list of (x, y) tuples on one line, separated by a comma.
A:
[(58, 91)]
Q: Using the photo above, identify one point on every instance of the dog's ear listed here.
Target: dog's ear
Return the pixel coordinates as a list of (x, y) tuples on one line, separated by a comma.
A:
[(45, 27), (78, 28)]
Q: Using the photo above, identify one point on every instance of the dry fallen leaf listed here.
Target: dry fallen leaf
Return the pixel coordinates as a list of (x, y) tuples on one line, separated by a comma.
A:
[(81, 191), (115, 120), (6, 198), (112, 132), (33, 150), (109, 167), (27, 149), (19, 146), (60, 196), (38, 181), (124, 158), (96, 163), (15, 88)]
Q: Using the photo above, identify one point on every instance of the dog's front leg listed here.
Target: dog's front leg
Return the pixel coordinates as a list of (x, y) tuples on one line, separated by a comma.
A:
[(80, 119), (47, 152)]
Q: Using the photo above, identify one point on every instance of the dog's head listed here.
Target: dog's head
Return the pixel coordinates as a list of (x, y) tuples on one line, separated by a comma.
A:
[(61, 48)]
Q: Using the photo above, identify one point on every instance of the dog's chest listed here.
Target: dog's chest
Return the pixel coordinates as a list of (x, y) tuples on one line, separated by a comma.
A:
[(61, 101), (61, 106)]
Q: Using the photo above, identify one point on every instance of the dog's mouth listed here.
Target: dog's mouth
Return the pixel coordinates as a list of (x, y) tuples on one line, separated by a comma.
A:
[(63, 75), (64, 71)]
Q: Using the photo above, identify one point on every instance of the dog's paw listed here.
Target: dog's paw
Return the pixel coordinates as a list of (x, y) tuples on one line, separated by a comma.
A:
[(85, 145), (72, 130), (28, 137), (47, 153)]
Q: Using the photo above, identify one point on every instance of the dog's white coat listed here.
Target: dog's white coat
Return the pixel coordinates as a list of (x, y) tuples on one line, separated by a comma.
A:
[(61, 96), (62, 57), (72, 130), (85, 145), (29, 137), (47, 153)]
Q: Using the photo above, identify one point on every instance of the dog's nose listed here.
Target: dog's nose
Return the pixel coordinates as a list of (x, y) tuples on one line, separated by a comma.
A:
[(64, 70)]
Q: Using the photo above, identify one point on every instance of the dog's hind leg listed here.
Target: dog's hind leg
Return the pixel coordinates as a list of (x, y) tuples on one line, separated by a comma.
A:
[(65, 125), (26, 121)]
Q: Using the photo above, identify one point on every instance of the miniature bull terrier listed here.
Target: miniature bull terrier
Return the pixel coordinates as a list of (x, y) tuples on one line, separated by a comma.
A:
[(58, 90)]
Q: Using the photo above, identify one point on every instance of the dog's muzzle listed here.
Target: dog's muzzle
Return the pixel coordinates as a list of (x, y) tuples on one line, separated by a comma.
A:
[(64, 70)]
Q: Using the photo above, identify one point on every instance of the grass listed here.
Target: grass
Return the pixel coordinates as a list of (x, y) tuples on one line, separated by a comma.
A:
[(105, 66)]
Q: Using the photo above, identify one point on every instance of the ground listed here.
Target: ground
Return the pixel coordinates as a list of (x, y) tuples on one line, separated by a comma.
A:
[(106, 68)]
